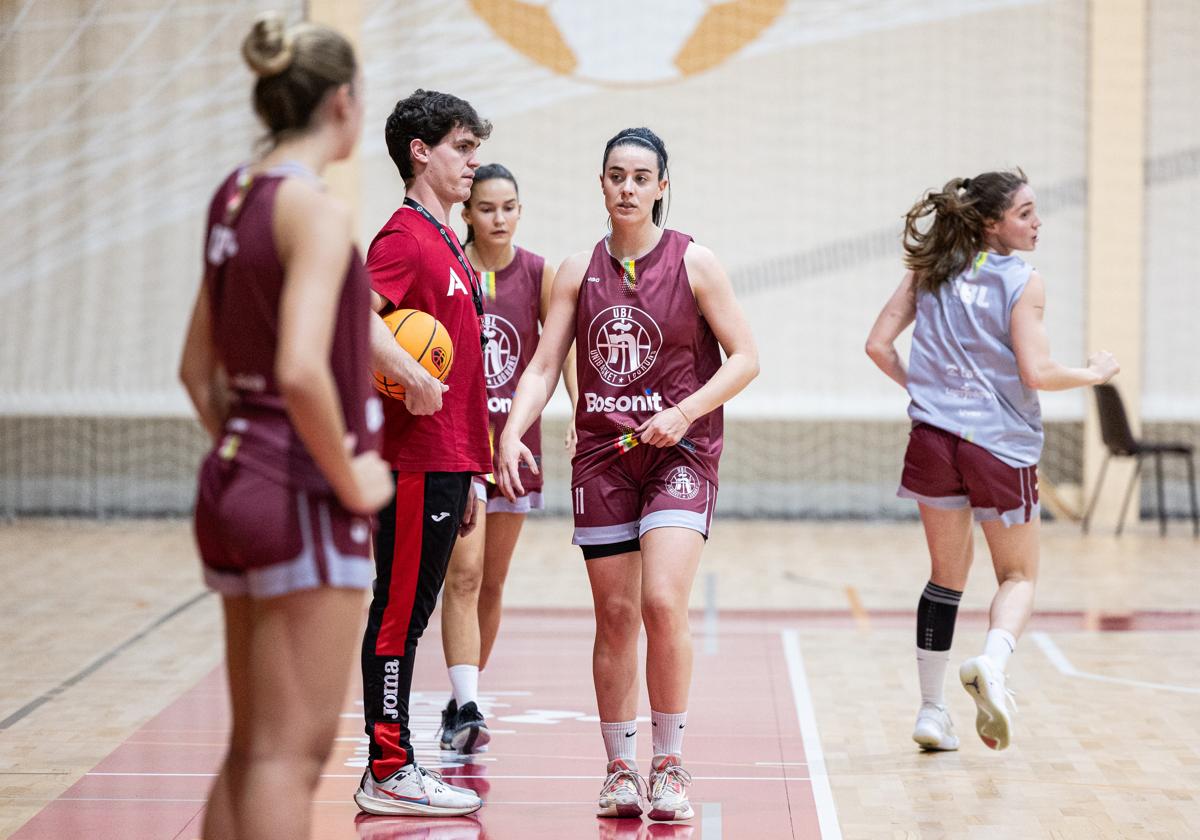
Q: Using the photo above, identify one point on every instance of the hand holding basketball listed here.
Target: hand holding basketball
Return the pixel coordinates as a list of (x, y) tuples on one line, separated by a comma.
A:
[(423, 338), (423, 396)]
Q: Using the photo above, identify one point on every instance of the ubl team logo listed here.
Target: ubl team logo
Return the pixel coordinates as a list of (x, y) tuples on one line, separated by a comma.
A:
[(623, 342), (683, 483), (502, 352)]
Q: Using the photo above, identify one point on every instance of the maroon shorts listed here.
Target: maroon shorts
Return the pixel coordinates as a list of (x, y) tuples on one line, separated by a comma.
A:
[(643, 489), (264, 539), (944, 471)]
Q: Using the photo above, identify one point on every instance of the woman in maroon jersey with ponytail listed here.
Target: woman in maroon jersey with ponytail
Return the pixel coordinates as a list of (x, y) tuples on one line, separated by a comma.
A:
[(651, 311), (277, 363), (516, 292)]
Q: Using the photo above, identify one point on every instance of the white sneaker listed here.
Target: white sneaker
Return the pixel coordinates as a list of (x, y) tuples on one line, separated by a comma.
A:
[(668, 789), (934, 729), (986, 684), (415, 790), (622, 793)]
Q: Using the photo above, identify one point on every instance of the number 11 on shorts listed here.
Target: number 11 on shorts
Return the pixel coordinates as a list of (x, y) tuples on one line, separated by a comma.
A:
[(579, 500)]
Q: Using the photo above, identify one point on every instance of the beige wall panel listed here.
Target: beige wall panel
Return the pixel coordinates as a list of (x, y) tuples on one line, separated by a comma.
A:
[(1116, 201), (1170, 375), (343, 177)]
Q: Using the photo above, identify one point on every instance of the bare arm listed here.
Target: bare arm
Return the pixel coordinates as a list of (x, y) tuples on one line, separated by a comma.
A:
[(200, 371), (1032, 347), (422, 391), (538, 381), (313, 236), (897, 315), (717, 303), (569, 375), (568, 366)]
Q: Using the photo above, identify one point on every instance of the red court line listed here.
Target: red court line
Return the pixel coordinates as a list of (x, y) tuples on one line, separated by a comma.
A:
[(1048, 620), (542, 774)]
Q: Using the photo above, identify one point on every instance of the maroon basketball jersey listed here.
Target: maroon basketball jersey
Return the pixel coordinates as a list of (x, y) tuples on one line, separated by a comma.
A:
[(511, 304), (641, 347), (245, 280), (413, 267)]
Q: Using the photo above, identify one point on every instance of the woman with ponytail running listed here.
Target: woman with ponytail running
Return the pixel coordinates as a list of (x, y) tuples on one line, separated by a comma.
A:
[(979, 356)]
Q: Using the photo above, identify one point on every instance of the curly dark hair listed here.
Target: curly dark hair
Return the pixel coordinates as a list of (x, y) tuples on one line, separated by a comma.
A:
[(429, 116)]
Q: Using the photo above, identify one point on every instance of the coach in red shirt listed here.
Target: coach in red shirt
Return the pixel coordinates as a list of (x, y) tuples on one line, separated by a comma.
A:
[(435, 441)]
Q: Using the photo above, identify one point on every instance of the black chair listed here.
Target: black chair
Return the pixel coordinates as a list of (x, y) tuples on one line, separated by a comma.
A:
[(1119, 440)]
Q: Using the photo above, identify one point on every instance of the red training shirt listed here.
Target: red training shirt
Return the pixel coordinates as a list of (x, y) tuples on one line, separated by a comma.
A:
[(413, 267)]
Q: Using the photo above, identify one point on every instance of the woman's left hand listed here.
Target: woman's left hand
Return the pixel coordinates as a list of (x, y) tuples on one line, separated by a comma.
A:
[(664, 429)]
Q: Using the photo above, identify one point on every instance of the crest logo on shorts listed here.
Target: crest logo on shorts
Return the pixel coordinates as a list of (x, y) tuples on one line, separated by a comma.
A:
[(683, 483), (502, 352), (623, 342)]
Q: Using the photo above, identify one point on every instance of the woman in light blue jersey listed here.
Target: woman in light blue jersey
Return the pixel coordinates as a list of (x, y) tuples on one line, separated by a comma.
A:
[(979, 355)]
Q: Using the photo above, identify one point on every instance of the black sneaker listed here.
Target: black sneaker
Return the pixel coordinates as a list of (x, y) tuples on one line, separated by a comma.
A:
[(470, 733), (449, 717)]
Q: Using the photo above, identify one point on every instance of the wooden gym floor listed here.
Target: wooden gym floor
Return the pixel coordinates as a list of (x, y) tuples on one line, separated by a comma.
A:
[(106, 630)]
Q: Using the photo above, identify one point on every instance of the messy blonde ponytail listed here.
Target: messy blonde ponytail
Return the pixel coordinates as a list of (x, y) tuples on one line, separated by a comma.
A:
[(959, 214)]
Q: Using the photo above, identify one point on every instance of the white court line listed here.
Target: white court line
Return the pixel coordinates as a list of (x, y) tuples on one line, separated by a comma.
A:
[(710, 820), (1059, 660), (822, 793), (489, 776)]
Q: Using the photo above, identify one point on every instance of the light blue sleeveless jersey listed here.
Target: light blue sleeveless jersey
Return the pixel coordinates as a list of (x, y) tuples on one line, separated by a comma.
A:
[(962, 373)]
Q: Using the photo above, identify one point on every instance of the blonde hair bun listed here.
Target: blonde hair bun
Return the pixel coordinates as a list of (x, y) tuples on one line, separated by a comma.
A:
[(268, 49)]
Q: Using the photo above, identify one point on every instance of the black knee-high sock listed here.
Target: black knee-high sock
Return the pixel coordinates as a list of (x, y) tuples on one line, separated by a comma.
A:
[(936, 614)]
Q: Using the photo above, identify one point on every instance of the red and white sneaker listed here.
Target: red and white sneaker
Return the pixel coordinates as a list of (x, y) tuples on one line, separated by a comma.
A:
[(668, 789), (622, 793), (414, 790), (994, 703)]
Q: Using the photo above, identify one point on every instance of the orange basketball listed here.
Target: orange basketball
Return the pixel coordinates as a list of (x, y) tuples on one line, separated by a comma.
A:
[(425, 339)]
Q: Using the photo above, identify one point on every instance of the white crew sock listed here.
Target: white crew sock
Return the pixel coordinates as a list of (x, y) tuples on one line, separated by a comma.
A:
[(667, 732), (931, 669), (620, 740), (464, 682), (999, 646)]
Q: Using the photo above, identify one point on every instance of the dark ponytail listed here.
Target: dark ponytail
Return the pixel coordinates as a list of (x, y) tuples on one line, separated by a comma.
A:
[(488, 172), (648, 139), (961, 211)]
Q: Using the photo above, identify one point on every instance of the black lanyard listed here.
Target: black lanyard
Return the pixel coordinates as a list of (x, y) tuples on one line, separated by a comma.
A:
[(472, 280)]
